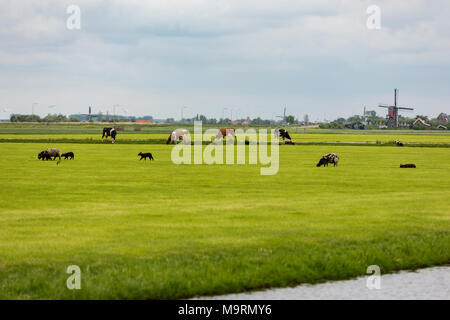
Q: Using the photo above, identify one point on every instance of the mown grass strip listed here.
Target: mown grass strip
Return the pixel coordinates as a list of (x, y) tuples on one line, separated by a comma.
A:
[(162, 141)]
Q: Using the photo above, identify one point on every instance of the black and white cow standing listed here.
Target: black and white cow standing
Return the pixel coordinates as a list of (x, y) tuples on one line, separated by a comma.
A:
[(109, 132), (283, 134)]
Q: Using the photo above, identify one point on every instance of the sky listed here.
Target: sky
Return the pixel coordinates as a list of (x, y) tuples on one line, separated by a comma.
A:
[(232, 58)]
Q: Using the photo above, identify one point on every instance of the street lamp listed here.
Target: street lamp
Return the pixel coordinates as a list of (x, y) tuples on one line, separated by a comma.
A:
[(223, 114), (53, 106), (32, 107), (114, 112), (182, 108)]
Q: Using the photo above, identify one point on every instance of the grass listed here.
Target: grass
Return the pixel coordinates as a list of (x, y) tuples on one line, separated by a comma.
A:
[(316, 137), (157, 230)]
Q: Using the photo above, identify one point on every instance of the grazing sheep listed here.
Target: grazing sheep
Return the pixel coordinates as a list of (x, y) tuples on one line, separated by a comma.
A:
[(145, 156), (409, 165), (329, 158), (43, 155), (399, 143), (47, 154), (68, 155)]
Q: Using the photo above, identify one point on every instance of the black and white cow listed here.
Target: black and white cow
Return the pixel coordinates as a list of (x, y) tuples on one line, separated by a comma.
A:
[(109, 132), (283, 134)]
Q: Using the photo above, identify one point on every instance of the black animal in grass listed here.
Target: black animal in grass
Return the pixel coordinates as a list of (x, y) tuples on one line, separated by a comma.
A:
[(328, 158), (399, 144), (49, 153), (43, 155), (145, 156), (109, 132), (408, 165), (283, 134), (68, 155)]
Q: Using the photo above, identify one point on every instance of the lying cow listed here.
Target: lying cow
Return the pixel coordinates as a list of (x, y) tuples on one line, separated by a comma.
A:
[(399, 143), (178, 135), (68, 155), (409, 165), (329, 158), (110, 132), (49, 153), (145, 156)]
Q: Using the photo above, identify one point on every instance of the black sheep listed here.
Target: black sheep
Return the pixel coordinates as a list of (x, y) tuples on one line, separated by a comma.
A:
[(43, 155), (68, 155), (409, 165), (145, 156)]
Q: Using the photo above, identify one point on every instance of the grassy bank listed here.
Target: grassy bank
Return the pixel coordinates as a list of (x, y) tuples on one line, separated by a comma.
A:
[(158, 230)]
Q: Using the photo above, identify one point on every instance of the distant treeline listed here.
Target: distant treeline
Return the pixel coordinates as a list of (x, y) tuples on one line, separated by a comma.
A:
[(36, 118), (370, 121), (374, 122)]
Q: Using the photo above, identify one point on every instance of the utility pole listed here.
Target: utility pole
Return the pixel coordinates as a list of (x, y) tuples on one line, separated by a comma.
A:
[(223, 114), (182, 108), (32, 108)]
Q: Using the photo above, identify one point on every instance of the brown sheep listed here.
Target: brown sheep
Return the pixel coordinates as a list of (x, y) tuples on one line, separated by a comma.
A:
[(329, 158), (47, 154)]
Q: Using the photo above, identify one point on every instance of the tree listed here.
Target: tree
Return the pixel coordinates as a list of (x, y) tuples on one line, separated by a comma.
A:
[(355, 119), (424, 118), (306, 119), (290, 119), (340, 120)]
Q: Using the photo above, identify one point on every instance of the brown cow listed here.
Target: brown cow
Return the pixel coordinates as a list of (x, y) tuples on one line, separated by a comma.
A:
[(178, 135), (226, 132)]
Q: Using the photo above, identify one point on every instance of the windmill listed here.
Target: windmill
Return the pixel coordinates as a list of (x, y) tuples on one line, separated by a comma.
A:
[(284, 116), (392, 116)]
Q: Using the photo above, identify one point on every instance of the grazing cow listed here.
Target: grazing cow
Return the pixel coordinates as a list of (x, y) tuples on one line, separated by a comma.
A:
[(145, 156), (225, 133), (110, 132), (68, 155), (399, 143), (283, 134), (329, 158), (409, 165), (178, 135), (49, 153)]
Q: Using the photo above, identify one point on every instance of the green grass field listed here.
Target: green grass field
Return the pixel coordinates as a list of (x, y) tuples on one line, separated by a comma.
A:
[(158, 230), (298, 137)]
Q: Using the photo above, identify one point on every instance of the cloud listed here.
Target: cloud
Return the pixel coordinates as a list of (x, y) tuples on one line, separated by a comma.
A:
[(315, 55)]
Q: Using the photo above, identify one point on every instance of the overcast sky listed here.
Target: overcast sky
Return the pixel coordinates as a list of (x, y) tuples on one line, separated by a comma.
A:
[(251, 57)]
